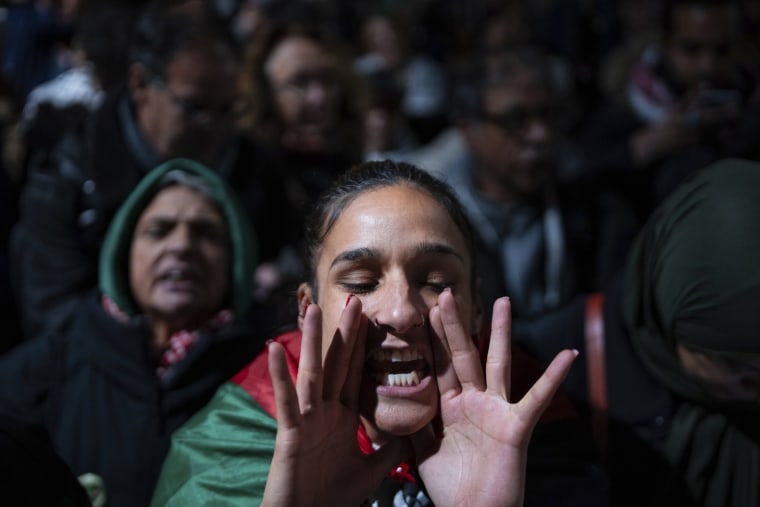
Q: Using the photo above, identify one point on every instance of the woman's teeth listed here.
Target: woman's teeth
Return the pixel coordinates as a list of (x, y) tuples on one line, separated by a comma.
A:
[(398, 379), (405, 367)]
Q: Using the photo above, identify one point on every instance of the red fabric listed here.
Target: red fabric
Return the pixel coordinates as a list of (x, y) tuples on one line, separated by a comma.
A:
[(179, 342), (255, 378)]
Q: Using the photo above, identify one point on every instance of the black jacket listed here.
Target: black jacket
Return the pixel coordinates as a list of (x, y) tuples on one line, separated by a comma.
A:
[(96, 391)]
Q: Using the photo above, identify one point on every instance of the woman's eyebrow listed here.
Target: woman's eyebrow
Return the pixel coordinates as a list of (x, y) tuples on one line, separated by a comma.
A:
[(354, 255), (437, 249)]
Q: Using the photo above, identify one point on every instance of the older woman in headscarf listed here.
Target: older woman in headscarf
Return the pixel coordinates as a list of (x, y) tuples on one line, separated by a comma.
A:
[(673, 352), (171, 322)]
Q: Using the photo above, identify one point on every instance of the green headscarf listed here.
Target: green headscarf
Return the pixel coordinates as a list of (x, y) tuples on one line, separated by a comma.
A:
[(114, 255), (693, 277)]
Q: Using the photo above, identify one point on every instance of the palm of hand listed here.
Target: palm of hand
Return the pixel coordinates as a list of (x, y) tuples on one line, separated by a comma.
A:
[(324, 437), (480, 457), (482, 433)]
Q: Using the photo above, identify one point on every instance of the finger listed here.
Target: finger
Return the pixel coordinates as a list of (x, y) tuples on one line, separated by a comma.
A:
[(339, 353), (540, 395), (464, 354), (499, 358), (309, 380), (285, 397), (352, 386), (444, 370)]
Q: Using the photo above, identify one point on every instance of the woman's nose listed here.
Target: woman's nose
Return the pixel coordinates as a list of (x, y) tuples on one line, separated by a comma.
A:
[(180, 238), (398, 310)]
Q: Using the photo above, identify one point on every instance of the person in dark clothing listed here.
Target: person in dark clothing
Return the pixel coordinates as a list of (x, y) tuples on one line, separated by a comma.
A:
[(300, 101), (172, 320), (179, 101), (672, 350), (684, 101), (541, 238), (392, 280)]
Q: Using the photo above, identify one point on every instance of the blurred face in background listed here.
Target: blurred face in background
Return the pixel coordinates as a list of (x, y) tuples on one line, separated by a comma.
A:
[(702, 45), (179, 259), (384, 40), (306, 88), (188, 112), (513, 142)]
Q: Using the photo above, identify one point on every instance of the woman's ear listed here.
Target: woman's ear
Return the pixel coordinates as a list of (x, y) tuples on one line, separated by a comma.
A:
[(305, 297)]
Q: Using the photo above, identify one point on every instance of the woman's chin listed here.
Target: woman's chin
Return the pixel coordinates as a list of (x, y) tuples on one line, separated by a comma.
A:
[(398, 418)]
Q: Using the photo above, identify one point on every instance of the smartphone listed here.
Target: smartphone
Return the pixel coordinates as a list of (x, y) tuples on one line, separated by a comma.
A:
[(716, 98)]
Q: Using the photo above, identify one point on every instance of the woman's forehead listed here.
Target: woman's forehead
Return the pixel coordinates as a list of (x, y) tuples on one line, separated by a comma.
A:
[(394, 217)]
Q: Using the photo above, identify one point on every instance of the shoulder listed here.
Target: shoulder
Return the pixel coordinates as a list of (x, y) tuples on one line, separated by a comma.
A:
[(223, 451)]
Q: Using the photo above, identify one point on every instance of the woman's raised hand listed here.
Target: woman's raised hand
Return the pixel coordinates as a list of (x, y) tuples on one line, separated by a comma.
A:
[(317, 460), (480, 458)]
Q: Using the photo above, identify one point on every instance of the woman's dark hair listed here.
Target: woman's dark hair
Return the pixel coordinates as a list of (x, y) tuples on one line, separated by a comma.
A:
[(260, 116), (369, 176)]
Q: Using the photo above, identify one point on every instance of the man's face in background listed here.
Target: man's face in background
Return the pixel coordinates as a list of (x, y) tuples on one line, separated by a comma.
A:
[(188, 112), (702, 45)]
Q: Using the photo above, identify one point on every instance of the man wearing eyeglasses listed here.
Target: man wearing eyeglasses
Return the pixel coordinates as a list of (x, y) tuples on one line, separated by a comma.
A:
[(179, 100), (537, 235)]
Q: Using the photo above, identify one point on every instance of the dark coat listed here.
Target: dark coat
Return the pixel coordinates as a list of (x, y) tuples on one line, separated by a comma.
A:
[(96, 392), (640, 408)]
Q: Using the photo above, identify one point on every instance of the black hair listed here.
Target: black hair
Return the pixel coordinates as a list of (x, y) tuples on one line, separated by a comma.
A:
[(103, 32), (368, 176), (666, 21), (164, 30), (498, 67)]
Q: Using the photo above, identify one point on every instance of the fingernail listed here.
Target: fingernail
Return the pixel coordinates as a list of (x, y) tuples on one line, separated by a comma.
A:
[(348, 299), (575, 352), (269, 342)]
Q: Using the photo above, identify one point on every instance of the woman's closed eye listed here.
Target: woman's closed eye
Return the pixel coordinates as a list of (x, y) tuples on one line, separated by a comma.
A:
[(157, 230), (358, 284), (437, 285)]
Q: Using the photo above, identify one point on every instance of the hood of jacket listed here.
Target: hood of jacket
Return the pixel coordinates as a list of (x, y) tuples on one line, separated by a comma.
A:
[(114, 254)]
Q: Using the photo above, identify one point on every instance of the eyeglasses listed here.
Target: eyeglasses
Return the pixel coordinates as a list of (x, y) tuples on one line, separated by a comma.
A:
[(517, 119), (192, 109), (300, 83)]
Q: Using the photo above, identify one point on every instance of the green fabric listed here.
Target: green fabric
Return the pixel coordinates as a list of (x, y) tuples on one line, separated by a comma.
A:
[(114, 256), (221, 456), (693, 277)]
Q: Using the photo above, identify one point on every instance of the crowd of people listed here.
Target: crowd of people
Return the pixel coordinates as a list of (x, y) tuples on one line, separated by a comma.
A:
[(321, 252)]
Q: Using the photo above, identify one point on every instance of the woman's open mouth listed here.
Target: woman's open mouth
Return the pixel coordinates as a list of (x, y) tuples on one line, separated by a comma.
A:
[(397, 367)]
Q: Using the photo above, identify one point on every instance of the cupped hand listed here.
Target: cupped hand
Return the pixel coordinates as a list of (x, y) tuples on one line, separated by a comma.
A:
[(317, 460), (480, 458)]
